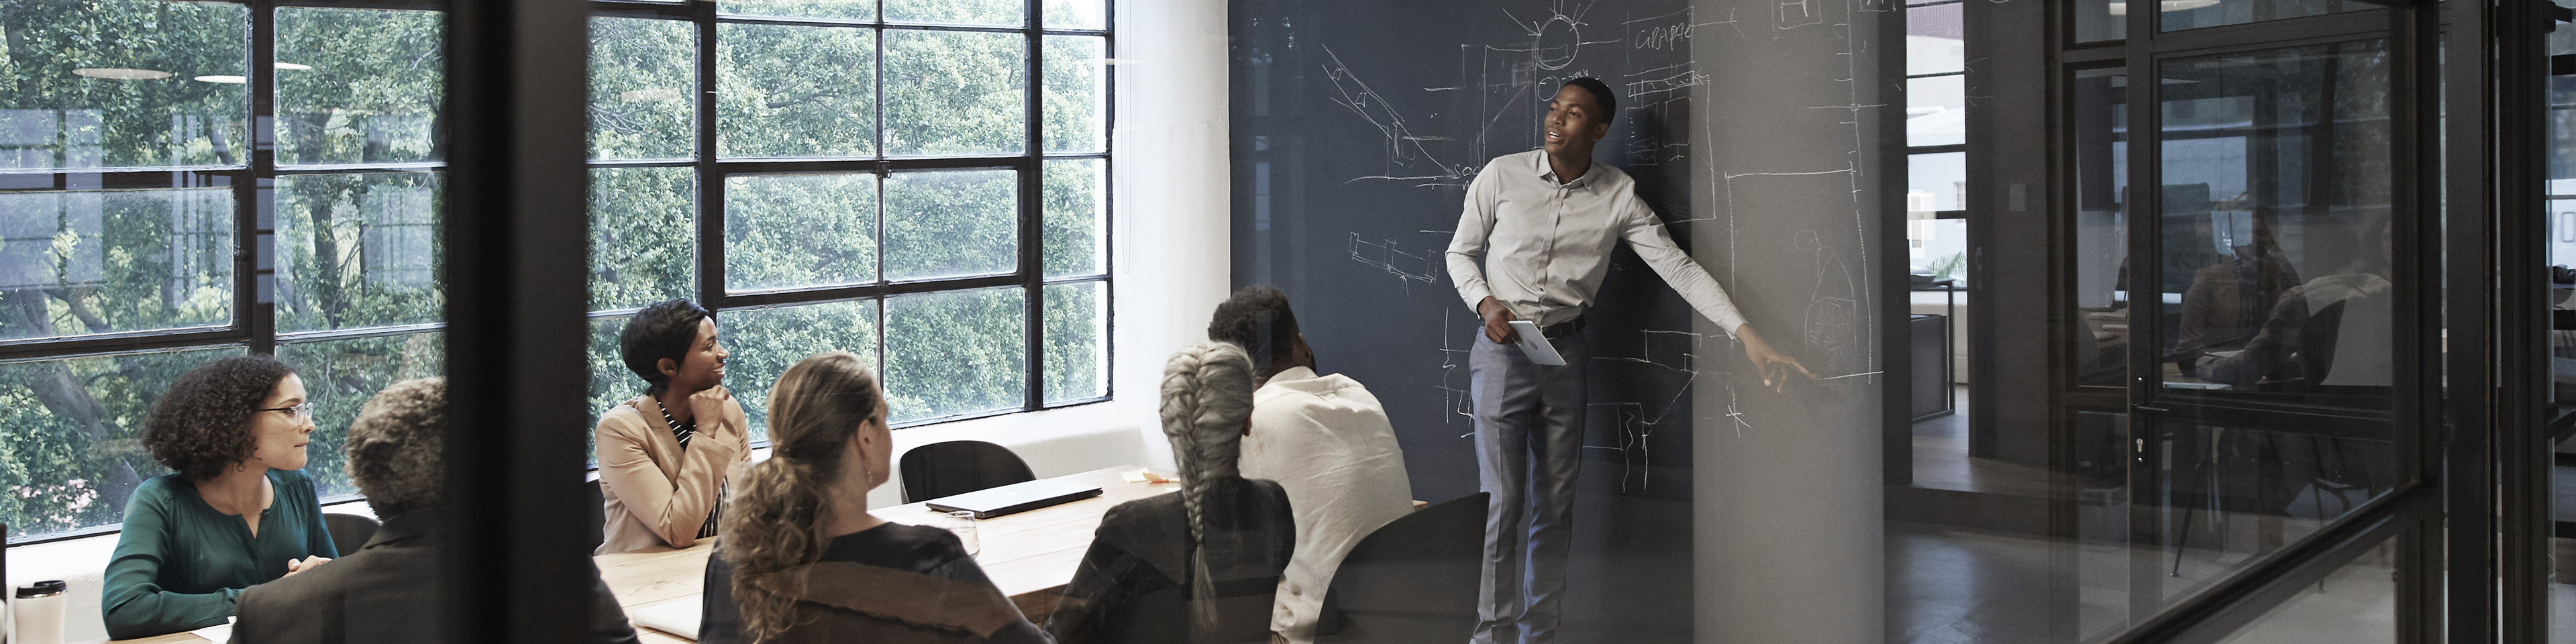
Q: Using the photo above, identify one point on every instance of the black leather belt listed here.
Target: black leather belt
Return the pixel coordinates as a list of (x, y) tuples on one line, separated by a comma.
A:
[(1562, 329)]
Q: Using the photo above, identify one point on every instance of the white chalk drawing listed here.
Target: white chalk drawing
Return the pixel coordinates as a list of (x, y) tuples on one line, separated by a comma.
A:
[(1410, 267)]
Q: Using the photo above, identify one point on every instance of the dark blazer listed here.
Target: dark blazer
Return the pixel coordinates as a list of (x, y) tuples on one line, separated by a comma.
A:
[(891, 584), (381, 593), (1134, 583)]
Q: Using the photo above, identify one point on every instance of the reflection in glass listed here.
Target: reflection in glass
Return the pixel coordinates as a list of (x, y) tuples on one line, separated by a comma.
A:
[(951, 224), (1936, 111), (1934, 40), (962, 93), (72, 428), (357, 250), (610, 382), (339, 376), (806, 230), (1941, 178), (115, 83), (1007, 13), (2195, 14), (2100, 20), (643, 236), (2274, 221), (371, 88), (2099, 330), (843, 9), (1077, 217), (1077, 341), (785, 91), (643, 88), (1077, 14), (80, 263), (1077, 94), (764, 342), (2355, 604), (957, 353)]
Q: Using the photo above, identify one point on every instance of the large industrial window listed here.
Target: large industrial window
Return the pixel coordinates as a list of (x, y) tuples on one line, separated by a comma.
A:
[(922, 182)]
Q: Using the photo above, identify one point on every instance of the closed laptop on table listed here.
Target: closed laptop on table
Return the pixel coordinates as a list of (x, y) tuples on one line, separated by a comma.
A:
[(1016, 497)]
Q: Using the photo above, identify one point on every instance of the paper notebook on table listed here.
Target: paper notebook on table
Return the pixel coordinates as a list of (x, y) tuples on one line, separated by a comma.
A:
[(1534, 344), (678, 617), (1016, 497)]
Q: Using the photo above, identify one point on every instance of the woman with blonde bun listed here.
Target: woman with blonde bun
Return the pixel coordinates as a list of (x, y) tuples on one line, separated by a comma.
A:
[(803, 561)]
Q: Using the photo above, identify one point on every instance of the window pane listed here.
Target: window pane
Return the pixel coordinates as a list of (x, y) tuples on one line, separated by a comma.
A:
[(795, 91), (847, 9), (949, 354), (949, 224), (643, 88), (1933, 40), (1943, 177), (963, 93), (1938, 247), (1936, 110), (2100, 20), (958, 12), (78, 263), (2099, 113), (339, 376), (610, 382), (765, 342), (2355, 604), (73, 451), (643, 236), (358, 86), (1077, 14), (357, 250), (2195, 14), (1077, 96), (787, 231), (1077, 341), (1077, 217), (120, 83)]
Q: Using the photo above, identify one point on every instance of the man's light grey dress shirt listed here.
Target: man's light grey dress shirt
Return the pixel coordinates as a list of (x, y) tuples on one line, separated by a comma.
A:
[(1551, 242)]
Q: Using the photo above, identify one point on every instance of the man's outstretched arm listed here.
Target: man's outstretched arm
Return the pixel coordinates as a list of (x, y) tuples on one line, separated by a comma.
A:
[(1646, 235)]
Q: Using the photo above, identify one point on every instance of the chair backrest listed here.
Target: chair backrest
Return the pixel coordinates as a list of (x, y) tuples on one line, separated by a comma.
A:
[(349, 532), (957, 467), (597, 508), (1412, 580)]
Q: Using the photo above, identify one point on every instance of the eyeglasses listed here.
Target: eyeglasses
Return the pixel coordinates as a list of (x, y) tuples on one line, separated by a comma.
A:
[(301, 412)]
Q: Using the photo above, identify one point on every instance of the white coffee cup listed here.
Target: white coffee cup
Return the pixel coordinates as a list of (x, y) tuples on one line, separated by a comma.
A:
[(36, 615)]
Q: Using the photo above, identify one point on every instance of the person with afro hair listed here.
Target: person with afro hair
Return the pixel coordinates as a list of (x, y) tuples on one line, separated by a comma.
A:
[(235, 512), (664, 455)]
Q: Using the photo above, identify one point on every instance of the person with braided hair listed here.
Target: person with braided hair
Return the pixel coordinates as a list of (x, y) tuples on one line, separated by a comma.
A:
[(803, 561), (1201, 566)]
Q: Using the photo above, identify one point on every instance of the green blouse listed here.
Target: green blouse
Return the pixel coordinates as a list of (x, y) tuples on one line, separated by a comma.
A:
[(179, 563)]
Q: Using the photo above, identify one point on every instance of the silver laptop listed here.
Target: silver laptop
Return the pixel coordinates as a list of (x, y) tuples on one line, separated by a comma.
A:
[(1016, 497)]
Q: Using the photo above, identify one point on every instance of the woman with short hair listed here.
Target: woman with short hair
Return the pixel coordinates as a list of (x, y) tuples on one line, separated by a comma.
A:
[(236, 512), (663, 455), (803, 561)]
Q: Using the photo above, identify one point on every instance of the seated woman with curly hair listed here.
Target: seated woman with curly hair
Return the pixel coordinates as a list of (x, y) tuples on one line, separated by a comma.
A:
[(803, 561), (235, 513)]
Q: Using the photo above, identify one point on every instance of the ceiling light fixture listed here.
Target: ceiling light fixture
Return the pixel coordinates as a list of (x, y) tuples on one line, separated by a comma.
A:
[(293, 66), (120, 73), (2121, 7), (222, 78)]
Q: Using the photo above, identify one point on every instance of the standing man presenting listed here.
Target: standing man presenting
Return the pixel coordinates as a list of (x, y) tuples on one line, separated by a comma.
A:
[(1551, 217)]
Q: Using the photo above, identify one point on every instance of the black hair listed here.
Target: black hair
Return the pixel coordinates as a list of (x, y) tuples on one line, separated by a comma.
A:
[(662, 330), (202, 424), (1257, 318), (1600, 92)]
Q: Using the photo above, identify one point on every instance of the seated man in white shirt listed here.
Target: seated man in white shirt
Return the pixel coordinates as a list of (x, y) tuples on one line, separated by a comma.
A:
[(1322, 437)]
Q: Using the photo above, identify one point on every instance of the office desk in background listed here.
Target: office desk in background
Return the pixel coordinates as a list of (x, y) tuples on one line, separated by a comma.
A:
[(1030, 555)]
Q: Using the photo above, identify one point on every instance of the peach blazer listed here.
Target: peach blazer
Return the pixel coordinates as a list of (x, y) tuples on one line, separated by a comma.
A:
[(655, 493)]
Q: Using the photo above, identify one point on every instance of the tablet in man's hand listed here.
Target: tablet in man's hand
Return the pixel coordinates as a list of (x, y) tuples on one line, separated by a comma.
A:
[(1535, 345)]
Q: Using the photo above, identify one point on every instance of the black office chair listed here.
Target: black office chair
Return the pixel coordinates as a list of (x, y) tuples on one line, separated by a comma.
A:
[(1413, 580), (349, 532), (597, 508), (957, 467)]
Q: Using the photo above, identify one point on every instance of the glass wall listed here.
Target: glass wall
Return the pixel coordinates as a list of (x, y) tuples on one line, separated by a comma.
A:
[(146, 226)]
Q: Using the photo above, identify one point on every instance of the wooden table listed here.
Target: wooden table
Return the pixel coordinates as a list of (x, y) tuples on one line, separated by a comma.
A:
[(1030, 555)]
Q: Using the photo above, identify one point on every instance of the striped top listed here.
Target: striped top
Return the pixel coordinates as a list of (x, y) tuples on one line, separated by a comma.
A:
[(683, 432)]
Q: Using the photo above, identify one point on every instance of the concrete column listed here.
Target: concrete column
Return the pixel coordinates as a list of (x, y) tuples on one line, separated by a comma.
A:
[(1786, 486)]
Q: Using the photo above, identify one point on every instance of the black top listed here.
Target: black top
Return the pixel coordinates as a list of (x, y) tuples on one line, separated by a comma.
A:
[(377, 595), (1134, 583), (908, 548)]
